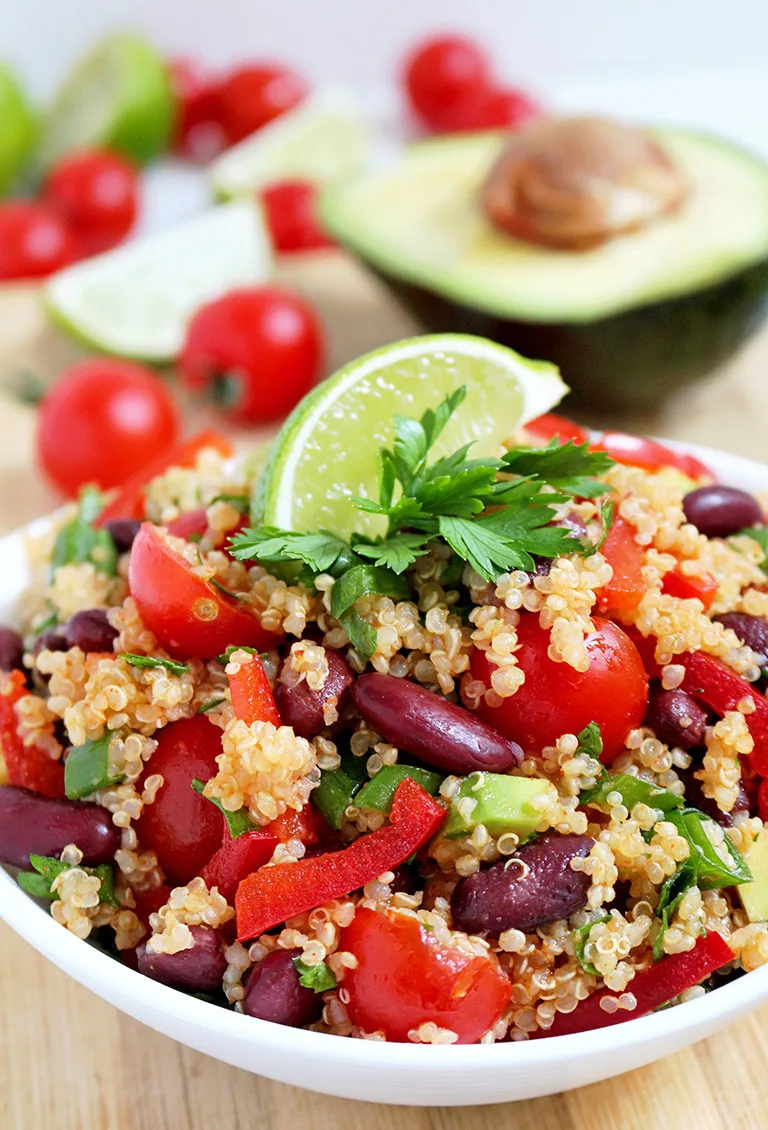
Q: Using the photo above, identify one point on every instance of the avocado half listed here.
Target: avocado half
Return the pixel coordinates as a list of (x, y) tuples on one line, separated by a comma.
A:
[(628, 322)]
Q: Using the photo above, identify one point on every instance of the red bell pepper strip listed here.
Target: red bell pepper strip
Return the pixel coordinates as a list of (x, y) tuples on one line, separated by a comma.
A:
[(252, 697), (722, 689), (237, 858), (703, 586), (293, 825), (28, 766), (628, 586), (273, 894), (651, 988), (640, 451), (129, 500)]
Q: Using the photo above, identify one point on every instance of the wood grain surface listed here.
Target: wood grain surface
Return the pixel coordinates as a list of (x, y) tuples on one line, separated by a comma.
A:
[(68, 1061)]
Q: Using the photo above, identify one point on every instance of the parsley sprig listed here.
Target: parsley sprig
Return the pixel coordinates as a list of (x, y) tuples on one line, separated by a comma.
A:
[(494, 513)]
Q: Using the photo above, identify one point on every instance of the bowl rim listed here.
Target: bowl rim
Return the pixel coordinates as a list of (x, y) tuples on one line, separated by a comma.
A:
[(109, 978)]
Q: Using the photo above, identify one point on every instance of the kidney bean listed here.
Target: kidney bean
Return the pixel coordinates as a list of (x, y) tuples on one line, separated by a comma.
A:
[(441, 733), (122, 531), (52, 639), (301, 707), (718, 511), (677, 718), (751, 630), (45, 825), (198, 970), (406, 880), (274, 992), (11, 650), (534, 886), (90, 631)]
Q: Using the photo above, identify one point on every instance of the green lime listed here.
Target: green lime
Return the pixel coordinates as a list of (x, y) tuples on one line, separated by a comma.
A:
[(19, 128), (136, 301), (326, 451), (119, 96), (323, 138)]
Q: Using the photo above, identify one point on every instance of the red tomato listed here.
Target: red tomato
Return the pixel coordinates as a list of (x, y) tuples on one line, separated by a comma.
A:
[(640, 451), (293, 825), (252, 96), (291, 208), (555, 699), (34, 241), (486, 108), (628, 586), (702, 587), (180, 826), (762, 801), (189, 523), (102, 421), (27, 766), (189, 616), (550, 426), (198, 134), (96, 193), (405, 977), (440, 72), (255, 352)]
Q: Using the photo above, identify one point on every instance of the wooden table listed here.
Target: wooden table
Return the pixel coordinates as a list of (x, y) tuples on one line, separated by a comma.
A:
[(68, 1061)]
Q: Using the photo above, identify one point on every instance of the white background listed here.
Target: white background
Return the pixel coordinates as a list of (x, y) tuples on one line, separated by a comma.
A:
[(360, 41)]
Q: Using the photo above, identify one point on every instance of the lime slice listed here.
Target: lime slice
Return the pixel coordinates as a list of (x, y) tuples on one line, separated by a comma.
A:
[(19, 128), (326, 451), (323, 138), (136, 301), (119, 96)]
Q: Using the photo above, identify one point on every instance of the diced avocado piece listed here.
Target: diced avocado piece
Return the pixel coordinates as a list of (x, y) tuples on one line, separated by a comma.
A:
[(688, 289), (754, 895), (380, 791), (503, 805)]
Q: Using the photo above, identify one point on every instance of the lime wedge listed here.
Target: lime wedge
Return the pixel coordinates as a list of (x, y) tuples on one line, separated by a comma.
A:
[(323, 138), (19, 128), (326, 451), (136, 301), (119, 96)]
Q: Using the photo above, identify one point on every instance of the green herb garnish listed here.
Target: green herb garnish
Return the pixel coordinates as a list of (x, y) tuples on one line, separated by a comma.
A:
[(86, 769), (238, 822), (150, 661), (580, 939), (318, 977), (80, 541), (590, 741), (210, 704), (46, 869), (633, 790)]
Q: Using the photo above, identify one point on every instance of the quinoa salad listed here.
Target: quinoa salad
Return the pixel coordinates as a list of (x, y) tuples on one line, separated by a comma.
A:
[(493, 774)]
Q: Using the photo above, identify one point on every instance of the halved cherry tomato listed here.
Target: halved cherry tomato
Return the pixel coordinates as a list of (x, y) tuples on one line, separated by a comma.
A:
[(293, 825), (627, 587), (180, 826), (555, 699), (28, 766), (189, 523), (251, 694), (406, 976), (551, 426), (188, 615), (238, 858), (703, 586), (762, 801), (640, 451)]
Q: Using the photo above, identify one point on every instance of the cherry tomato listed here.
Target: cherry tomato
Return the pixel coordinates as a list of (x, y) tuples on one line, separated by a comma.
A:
[(486, 108), (255, 352), (102, 421), (96, 194), (180, 826), (251, 96), (628, 586), (640, 451), (34, 241), (555, 699), (291, 208), (440, 72), (405, 977), (293, 825), (198, 133), (550, 426), (189, 522), (188, 615)]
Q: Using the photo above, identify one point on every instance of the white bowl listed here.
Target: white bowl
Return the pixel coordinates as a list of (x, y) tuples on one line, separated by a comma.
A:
[(358, 1069)]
